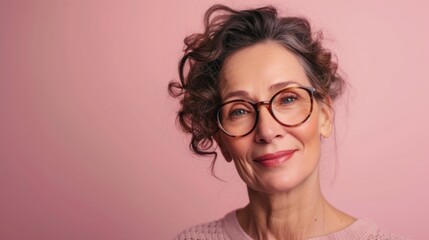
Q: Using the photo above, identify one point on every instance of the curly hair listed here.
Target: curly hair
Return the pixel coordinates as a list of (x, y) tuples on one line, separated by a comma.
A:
[(225, 31)]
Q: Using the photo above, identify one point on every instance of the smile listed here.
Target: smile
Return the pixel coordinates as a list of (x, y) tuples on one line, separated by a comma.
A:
[(273, 160)]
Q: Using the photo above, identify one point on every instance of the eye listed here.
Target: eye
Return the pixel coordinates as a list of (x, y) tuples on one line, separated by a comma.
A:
[(288, 98), (239, 112), (236, 111)]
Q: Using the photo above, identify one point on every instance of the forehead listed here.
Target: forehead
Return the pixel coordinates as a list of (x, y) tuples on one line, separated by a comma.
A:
[(259, 67)]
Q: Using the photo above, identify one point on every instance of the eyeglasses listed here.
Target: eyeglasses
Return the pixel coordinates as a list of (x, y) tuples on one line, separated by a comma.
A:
[(290, 107)]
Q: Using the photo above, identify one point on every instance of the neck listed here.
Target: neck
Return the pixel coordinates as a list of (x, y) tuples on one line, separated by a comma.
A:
[(298, 213)]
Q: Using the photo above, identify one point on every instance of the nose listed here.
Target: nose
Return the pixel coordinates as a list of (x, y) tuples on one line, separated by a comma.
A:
[(267, 128)]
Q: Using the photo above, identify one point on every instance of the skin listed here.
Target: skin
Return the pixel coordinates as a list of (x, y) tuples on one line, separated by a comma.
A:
[(285, 200)]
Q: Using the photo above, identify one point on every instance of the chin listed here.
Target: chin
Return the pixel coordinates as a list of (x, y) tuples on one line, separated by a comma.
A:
[(283, 182), (276, 185)]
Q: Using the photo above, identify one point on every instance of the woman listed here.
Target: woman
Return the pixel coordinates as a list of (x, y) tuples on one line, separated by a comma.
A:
[(261, 87)]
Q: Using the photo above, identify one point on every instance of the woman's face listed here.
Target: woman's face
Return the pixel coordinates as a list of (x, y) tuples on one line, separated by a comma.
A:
[(272, 158)]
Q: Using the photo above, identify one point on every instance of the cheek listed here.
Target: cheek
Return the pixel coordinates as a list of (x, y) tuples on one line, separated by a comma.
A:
[(237, 147), (308, 134), (239, 150)]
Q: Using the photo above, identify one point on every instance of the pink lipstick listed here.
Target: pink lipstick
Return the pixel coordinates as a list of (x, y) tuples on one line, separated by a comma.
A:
[(273, 160)]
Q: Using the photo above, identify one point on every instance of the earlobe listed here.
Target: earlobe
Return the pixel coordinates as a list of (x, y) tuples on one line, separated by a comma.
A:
[(222, 148), (326, 118)]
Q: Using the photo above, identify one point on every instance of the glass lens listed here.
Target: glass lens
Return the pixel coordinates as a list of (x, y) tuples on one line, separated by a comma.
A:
[(291, 106), (237, 118)]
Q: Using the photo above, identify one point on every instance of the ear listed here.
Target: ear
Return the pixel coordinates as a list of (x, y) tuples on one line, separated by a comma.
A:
[(326, 117), (224, 151)]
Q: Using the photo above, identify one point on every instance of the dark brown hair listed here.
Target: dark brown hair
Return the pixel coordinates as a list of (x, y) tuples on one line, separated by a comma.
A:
[(225, 31)]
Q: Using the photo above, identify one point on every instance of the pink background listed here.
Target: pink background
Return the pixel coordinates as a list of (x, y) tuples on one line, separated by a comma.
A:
[(88, 144)]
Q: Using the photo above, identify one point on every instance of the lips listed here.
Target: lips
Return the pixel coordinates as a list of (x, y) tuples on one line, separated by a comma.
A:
[(272, 160)]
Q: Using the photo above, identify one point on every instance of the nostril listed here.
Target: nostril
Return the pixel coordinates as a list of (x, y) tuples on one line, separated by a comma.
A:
[(261, 140)]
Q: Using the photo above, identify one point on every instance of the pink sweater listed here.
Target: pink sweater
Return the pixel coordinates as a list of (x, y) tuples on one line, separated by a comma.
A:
[(228, 228)]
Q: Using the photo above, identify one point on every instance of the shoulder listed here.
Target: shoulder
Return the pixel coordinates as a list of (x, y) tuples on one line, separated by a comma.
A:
[(211, 230), (361, 229), (383, 235), (226, 228), (375, 233)]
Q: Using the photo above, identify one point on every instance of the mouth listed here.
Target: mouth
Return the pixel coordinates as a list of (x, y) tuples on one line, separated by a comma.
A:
[(273, 160)]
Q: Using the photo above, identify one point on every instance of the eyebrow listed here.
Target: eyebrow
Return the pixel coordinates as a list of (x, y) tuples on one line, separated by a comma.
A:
[(241, 93), (280, 85)]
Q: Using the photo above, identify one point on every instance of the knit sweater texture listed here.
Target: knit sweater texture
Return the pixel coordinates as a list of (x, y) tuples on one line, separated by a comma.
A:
[(228, 228)]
